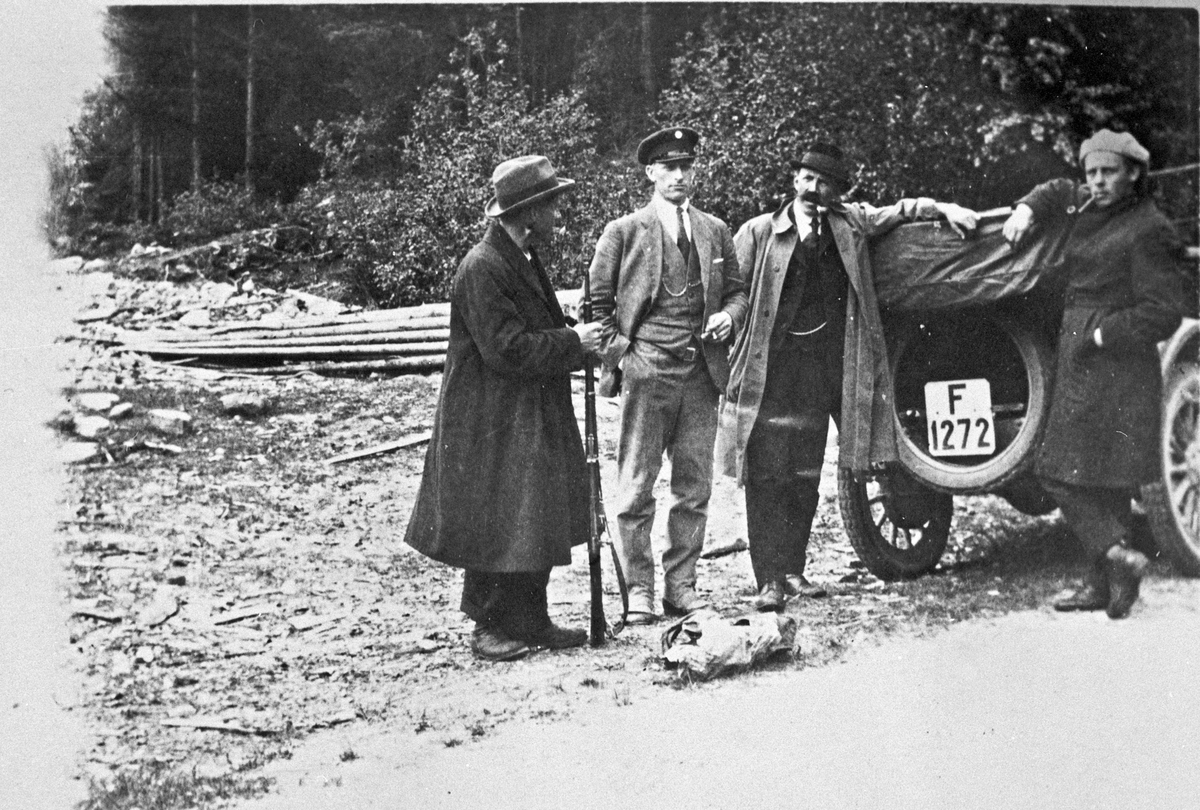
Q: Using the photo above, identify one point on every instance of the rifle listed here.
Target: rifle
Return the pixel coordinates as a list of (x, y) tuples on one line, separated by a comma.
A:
[(597, 521)]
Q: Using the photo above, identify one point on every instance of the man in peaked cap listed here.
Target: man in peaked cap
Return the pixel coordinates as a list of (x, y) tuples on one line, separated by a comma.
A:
[(669, 298), (504, 494), (809, 269)]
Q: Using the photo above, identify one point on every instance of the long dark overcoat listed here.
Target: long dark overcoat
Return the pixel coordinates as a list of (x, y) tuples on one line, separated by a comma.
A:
[(1125, 277), (764, 247), (505, 486)]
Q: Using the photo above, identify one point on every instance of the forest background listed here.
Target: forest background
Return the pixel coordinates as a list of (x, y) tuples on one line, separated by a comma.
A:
[(369, 133)]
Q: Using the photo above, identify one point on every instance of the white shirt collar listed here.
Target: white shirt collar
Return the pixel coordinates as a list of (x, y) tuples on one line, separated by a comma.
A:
[(666, 215), (803, 223)]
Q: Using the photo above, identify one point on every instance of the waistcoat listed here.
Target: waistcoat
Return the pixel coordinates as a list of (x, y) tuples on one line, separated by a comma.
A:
[(674, 321)]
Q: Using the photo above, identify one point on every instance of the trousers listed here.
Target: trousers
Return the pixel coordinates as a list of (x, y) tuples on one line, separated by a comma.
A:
[(786, 450), (669, 405), (514, 602), (1100, 517)]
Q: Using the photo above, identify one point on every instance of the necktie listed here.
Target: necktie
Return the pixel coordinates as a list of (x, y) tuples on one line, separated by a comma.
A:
[(685, 247), (814, 231)]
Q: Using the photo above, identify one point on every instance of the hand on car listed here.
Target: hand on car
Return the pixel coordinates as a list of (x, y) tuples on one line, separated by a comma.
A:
[(1018, 224), (962, 220)]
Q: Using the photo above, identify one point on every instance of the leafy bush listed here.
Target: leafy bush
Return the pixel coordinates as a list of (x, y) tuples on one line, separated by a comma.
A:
[(217, 209), (403, 238), (903, 95)]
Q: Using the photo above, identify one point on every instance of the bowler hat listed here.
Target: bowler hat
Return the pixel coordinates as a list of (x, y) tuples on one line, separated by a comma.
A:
[(826, 159), (1122, 143), (521, 181), (668, 145)]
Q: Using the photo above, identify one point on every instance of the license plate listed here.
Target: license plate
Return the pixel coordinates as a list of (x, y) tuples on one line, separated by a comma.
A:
[(958, 418)]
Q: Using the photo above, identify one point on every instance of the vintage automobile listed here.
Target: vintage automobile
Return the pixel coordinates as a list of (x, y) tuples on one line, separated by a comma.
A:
[(971, 329)]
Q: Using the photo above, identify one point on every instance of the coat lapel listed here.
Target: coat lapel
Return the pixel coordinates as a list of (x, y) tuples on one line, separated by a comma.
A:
[(702, 243), (652, 238), (522, 268)]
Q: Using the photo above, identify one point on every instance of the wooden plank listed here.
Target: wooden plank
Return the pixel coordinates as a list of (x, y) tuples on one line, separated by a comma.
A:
[(380, 449), (311, 352), (425, 362), (209, 723), (389, 337)]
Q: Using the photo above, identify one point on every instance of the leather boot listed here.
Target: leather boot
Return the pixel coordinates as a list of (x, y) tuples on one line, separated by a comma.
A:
[(1093, 592), (1125, 570), (492, 644), (770, 598), (552, 637)]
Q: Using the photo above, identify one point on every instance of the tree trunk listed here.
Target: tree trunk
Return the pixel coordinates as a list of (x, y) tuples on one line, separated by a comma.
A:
[(151, 180), (135, 177), (520, 45), (249, 97), (195, 102), (649, 82), (159, 192)]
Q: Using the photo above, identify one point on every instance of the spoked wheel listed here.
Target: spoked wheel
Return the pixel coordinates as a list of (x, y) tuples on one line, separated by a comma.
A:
[(1173, 505), (898, 527)]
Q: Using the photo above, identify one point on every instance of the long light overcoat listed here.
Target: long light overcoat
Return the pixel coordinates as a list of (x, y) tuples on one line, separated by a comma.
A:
[(626, 273), (764, 247), (505, 482), (1124, 270)]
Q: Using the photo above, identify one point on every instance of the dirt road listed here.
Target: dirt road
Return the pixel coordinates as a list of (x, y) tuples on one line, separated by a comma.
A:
[(42, 733), (966, 717), (1034, 710)]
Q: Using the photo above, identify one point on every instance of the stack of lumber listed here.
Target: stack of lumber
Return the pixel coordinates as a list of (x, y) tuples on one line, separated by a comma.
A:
[(396, 340), (409, 339)]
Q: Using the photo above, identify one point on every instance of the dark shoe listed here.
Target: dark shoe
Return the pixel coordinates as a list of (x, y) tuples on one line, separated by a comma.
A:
[(770, 598), (491, 644), (553, 637), (1125, 570), (1093, 592), (689, 603), (798, 585)]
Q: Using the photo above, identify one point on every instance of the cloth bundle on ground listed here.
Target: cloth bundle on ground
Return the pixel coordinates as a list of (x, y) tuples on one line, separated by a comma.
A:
[(703, 645)]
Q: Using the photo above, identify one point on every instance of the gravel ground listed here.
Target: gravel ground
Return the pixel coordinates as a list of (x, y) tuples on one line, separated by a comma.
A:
[(236, 594)]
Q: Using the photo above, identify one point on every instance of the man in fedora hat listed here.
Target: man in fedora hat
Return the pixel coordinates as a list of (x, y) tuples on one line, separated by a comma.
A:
[(667, 292), (809, 270), (504, 493)]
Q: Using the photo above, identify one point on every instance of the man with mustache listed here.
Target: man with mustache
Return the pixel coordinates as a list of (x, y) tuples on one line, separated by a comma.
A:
[(669, 298), (809, 271)]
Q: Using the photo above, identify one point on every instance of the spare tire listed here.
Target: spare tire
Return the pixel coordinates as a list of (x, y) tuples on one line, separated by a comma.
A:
[(1017, 361)]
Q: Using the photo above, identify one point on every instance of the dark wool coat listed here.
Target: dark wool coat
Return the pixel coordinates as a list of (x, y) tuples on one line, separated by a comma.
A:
[(1124, 270), (505, 483), (764, 248)]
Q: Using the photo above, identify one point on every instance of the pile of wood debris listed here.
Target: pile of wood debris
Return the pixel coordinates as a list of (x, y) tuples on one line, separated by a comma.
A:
[(261, 331), (396, 340)]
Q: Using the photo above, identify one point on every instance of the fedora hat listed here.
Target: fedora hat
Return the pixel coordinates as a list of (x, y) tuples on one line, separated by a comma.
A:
[(827, 159), (521, 181)]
